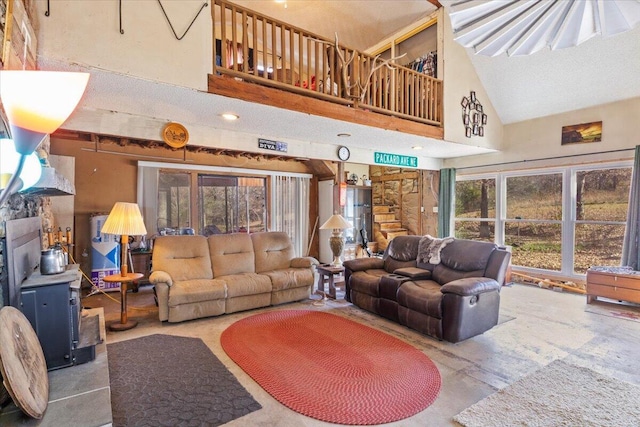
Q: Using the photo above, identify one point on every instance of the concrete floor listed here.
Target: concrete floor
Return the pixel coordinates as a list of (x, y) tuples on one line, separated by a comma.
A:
[(536, 327)]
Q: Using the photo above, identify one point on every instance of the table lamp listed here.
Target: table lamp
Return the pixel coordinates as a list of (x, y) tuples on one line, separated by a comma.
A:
[(36, 103), (336, 242), (124, 220)]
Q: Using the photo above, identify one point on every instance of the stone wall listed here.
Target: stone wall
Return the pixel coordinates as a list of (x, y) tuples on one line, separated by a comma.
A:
[(410, 194)]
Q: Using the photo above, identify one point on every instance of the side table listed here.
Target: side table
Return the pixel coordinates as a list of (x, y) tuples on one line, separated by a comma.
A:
[(615, 283), (123, 280), (328, 273)]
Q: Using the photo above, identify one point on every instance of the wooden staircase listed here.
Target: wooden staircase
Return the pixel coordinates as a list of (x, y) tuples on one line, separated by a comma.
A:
[(386, 226)]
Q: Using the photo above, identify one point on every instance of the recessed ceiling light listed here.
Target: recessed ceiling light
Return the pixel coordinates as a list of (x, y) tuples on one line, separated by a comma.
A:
[(417, 147), (344, 135), (230, 116)]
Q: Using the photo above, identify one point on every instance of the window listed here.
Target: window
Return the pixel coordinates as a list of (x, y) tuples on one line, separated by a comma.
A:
[(213, 199), (231, 204), (533, 224), (174, 201), (602, 199), (558, 219), (476, 209)]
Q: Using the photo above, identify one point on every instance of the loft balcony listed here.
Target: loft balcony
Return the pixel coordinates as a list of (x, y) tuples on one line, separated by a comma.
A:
[(267, 61)]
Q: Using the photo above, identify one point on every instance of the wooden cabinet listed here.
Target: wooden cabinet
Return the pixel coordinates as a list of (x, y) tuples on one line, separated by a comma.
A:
[(141, 263), (614, 285)]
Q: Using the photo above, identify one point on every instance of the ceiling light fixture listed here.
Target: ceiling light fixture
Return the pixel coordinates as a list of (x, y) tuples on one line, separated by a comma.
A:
[(230, 116), (525, 27)]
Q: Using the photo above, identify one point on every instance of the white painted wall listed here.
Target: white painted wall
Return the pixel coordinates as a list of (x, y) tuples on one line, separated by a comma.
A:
[(88, 33), (358, 169), (460, 79), (527, 142)]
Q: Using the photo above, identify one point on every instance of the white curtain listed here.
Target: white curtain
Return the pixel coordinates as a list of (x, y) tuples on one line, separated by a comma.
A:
[(290, 209), (631, 244), (148, 196)]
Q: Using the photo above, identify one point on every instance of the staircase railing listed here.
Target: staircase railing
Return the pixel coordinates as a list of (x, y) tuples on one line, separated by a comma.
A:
[(264, 50)]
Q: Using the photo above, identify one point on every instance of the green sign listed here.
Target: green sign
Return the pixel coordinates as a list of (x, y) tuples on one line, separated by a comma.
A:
[(395, 160)]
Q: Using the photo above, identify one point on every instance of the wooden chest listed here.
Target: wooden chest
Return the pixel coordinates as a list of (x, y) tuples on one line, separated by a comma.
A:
[(614, 285)]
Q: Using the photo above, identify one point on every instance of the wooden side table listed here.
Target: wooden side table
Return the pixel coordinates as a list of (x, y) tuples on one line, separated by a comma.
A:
[(327, 273), (123, 280), (615, 283)]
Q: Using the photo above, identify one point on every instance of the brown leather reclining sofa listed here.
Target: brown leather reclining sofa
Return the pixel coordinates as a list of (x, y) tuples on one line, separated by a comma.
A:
[(453, 300)]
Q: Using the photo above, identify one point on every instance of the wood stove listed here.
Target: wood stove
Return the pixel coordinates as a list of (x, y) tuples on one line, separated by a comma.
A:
[(50, 302)]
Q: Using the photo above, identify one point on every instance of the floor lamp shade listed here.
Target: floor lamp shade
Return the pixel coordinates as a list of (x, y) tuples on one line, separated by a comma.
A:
[(336, 242), (124, 220)]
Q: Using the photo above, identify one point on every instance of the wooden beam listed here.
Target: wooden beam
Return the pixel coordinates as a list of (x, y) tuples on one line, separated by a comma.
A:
[(436, 3), (251, 92)]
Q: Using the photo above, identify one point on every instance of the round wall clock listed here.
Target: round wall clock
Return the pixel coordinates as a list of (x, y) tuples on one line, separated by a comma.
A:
[(343, 153), (175, 135)]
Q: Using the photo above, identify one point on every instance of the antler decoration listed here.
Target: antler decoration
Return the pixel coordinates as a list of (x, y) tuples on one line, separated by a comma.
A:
[(345, 58), (362, 88)]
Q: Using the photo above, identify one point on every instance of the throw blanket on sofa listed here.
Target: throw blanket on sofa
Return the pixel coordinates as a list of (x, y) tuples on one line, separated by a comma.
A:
[(429, 249)]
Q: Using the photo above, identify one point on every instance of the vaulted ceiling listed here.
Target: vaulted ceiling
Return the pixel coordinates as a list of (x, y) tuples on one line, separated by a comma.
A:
[(599, 71)]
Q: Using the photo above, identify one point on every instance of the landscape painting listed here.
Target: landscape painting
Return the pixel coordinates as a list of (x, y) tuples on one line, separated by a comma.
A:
[(585, 132)]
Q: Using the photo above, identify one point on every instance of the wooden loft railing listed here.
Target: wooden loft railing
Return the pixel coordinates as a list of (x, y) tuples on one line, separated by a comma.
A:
[(256, 48)]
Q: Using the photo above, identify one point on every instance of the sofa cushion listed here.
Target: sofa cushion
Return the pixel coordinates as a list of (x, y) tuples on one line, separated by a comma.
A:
[(391, 264), (463, 258), (273, 251), (423, 296), (198, 290), (289, 278), (243, 284), (231, 254), (443, 274), (404, 248), (183, 257), (367, 282), (467, 255)]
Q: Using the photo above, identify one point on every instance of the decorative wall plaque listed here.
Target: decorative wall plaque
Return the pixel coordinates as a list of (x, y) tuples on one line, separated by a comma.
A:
[(175, 135), (473, 116)]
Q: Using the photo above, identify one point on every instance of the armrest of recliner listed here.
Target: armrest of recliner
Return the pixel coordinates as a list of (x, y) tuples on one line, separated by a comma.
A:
[(415, 273), (470, 286), (162, 281), (362, 264), (159, 277), (303, 262)]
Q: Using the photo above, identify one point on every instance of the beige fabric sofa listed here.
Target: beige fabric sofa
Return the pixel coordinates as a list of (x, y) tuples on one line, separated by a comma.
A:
[(197, 276)]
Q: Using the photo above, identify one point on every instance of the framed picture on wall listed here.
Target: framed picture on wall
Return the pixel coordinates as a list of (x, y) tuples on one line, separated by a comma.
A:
[(582, 133)]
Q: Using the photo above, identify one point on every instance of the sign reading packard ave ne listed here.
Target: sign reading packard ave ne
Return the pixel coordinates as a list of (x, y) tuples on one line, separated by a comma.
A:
[(272, 145), (395, 160)]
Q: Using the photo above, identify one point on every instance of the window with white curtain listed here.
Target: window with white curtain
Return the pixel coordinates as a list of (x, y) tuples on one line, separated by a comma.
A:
[(235, 200), (290, 209)]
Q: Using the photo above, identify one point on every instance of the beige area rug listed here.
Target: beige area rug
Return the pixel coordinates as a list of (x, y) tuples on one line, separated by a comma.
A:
[(627, 311), (559, 394)]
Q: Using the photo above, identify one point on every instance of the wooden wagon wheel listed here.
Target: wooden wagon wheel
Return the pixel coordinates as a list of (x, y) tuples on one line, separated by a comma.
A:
[(22, 363)]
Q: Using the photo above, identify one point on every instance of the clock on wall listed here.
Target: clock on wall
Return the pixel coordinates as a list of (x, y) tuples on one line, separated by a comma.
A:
[(343, 153)]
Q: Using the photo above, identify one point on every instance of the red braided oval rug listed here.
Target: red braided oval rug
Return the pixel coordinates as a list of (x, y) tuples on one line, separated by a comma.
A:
[(331, 368)]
